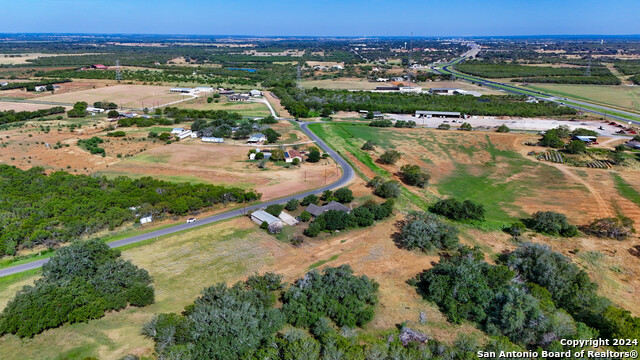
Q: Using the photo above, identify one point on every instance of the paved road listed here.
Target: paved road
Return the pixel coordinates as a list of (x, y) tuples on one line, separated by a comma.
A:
[(347, 175), (606, 111)]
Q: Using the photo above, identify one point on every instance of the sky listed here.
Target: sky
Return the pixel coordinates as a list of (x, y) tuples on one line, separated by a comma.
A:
[(323, 18)]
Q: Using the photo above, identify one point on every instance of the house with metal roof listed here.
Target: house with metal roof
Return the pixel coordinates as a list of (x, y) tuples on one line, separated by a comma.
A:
[(257, 139), (316, 210), (261, 216)]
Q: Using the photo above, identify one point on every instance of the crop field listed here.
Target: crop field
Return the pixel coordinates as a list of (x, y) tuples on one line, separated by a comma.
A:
[(135, 96), (621, 96), (192, 160), (342, 84)]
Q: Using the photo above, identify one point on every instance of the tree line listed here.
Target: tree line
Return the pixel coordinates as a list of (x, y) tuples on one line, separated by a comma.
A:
[(304, 102), (60, 207), (11, 116)]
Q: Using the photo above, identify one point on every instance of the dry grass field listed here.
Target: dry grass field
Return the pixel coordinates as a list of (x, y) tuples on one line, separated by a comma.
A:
[(224, 164), (20, 106), (6, 59), (253, 109), (622, 96), (134, 96)]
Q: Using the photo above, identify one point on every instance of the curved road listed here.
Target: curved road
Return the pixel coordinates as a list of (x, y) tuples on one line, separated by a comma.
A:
[(347, 175)]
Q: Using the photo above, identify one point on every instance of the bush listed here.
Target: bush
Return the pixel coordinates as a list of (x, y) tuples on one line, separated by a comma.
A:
[(113, 114), (390, 157), (552, 223), (456, 210), (388, 189), (259, 156), (413, 175), (295, 161), (381, 123), (344, 195), (515, 229), (314, 155), (309, 199), (363, 216), (313, 229), (576, 147), (81, 282), (618, 228), (444, 126), (503, 129), (427, 232), (346, 299), (264, 225), (274, 209), (224, 323), (369, 145), (305, 216), (292, 205), (466, 127)]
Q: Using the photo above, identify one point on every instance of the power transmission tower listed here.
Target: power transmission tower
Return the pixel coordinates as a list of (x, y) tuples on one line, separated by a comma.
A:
[(588, 71), (410, 72), (118, 73), (299, 77)]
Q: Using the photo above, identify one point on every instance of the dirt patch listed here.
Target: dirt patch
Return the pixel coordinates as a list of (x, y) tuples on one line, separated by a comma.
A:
[(135, 96)]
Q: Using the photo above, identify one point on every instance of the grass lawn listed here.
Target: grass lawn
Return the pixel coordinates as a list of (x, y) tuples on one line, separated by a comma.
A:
[(622, 96), (181, 266), (625, 190), (251, 109)]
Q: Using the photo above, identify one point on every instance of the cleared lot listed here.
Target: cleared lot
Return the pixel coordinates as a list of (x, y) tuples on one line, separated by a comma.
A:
[(136, 96)]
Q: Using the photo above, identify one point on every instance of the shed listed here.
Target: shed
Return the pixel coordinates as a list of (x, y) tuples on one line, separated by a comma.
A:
[(255, 93), (261, 216), (585, 139), (177, 131), (146, 219), (441, 114)]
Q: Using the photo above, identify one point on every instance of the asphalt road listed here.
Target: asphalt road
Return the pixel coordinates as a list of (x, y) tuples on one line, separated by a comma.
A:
[(347, 175), (447, 69)]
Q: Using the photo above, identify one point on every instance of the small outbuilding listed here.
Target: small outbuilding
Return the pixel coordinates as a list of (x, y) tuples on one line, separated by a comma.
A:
[(316, 210), (257, 139), (210, 139)]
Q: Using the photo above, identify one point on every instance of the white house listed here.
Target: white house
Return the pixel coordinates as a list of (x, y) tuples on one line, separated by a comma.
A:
[(212, 139), (257, 139), (255, 93), (261, 216), (94, 109)]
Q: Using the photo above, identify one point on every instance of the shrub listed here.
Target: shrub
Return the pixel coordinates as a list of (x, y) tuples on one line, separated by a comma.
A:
[(427, 232), (503, 129), (618, 228), (576, 147), (274, 209), (113, 114), (515, 229), (456, 210), (346, 299), (552, 223), (381, 123), (259, 156), (344, 195), (390, 157), (313, 229), (314, 155), (413, 175), (466, 127), (388, 189), (309, 199), (363, 216), (292, 205), (305, 216), (295, 161), (369, 145), (444, 126)]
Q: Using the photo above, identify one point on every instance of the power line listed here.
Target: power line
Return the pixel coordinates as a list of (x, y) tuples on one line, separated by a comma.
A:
[(118, 73)]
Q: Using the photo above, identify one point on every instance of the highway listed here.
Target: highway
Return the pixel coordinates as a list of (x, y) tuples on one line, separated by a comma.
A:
[(449, 69), (347, 175)]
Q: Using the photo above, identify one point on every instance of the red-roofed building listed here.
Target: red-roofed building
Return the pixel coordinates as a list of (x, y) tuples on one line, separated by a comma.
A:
[(99, 67), (292, 154)]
